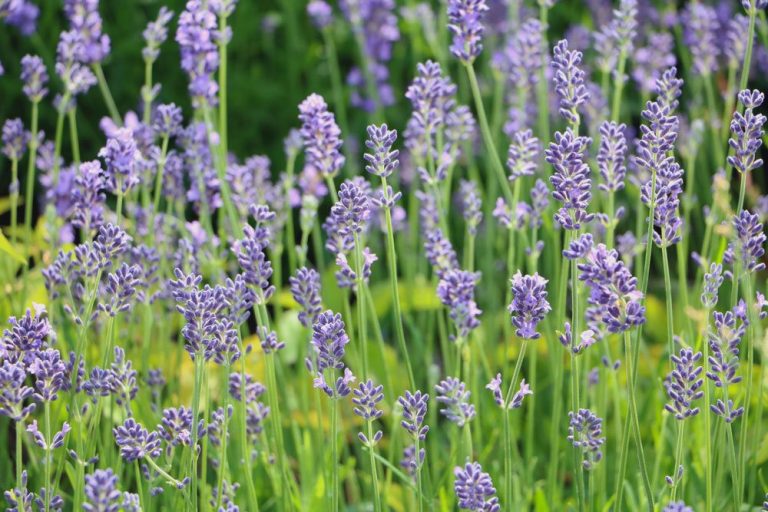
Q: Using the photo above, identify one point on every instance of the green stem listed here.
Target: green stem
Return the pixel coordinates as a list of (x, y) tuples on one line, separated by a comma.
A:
[(678, 457), (397, 312), (147, 92), (105, 92), (360, 304), (337, 85), (48, 456), (507, 429), (192, 464), (72, 118), (374, 472), (490, 146), (224, 437), (334, 456), (616, 107), (14, 198)]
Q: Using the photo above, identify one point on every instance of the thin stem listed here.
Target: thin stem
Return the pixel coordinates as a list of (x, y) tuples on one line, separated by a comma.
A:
[(668, 291), (334, 456), (490, 146), (105, 92), (575, 319), (396, 312), (225, 437), (620, 79), (19, 452), (192, 464), (14, 197), (507, 429), (678, 457), (360, 304), (48, 456), (707, 427), (147, 91), (73, 138), (374, 472)]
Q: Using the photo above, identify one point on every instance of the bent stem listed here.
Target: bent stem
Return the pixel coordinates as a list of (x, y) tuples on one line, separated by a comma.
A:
[(106, 94)]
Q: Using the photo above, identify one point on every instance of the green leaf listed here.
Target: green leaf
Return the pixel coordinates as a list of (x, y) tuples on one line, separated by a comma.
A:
[(10, 250)]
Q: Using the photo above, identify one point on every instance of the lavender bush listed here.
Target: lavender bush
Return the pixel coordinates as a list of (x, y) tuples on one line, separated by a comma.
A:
[(554, 230)]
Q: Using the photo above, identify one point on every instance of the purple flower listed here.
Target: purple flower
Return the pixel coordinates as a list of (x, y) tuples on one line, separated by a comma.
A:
[(35, 78), (409, 461), (736, 38), (253, 260), (26, 336), (176, 427), (21, 14), (414, 411), (666, 217), (167, 120), (155, 34), (749, 241), (474, 489), (321, 136), (367, 397), (570, 179), (747, 132), (383, 159), (432, 97), (85, 21), (523, 154), (700, 36), (88, 196), (122, 379), (13, 392), (614, 299), (346, 277), (677, 506), (77, 77), (121, 157), (15, 139), (465, 21), (529, 304), (584, 432), (305, 289), (197, 35), (683, 384), (471, 205), (51, 375), (658, 54), (569, 81), (586, 340), (440, 253), (120, 289), (329, 340), (101, 492), (712, 282), (724, 339), (454, 396), (320, 13), (611, 155), (135, 442), (350, 215), (616, 37), (456, 290), (57, 439)]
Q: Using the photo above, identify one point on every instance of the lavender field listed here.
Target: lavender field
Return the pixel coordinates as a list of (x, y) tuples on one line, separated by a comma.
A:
[(383, 255)]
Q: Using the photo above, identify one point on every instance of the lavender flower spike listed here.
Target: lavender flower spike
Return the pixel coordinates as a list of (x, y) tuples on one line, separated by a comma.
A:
[(529, 304), (329, 340), (464, 20), (569, 81), (383, 159), (14, 138), (474, 489), (367, 397), (35, 77), (570, 179), (453, 394), (747, 132), (584, 432), (305, 289), (523, 154), (414, 412), (750, 241), (456, 290), (611, 155), (321, 136), (135, 442), (683, 384)]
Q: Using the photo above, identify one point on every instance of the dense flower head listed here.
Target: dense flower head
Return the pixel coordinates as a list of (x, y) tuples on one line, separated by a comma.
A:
[(611, 156), (167, 119), (51, 375), (101, 491), (669, 87), (121, 156), (13, 392), (15, 139), (465, 22), (471, 205), (155, 34), (747, 132), (120, 289), (523, 154), (683, 384), (658, 136), (749, 241), (321, 135), (432, 97), (414, 412), (85, 20), (456, 290), (135, 442), (617, 36), (305, 289), (35, 77), (352, 212), (77, 77), (88, 198), (474, 489), (440, 253), (700, 35), (26, 336), (320, 13), (329, 340), (529, 304), (585, 431), (724, 338), (383, 159), (454, 396), (253, 260), (614, 298), (569, 80), (677, 506), (570, 179), (712, 282), (667, 190), (197, 35)]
